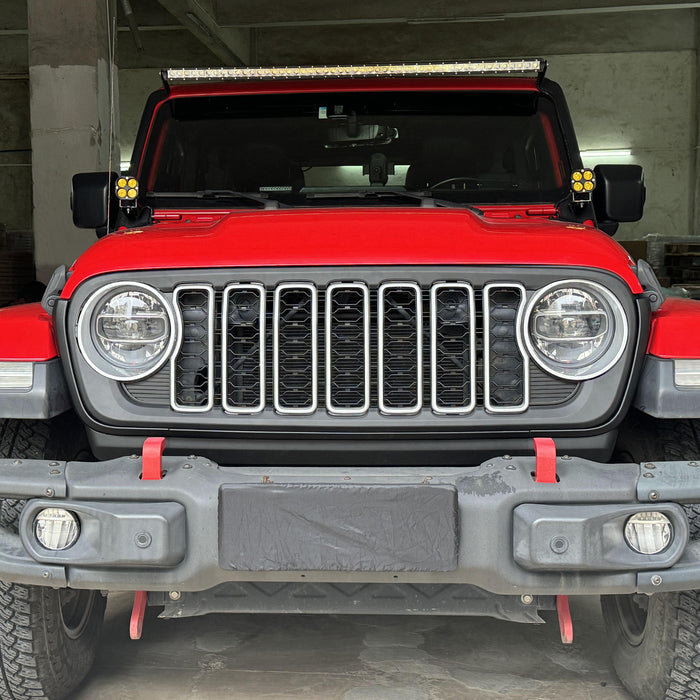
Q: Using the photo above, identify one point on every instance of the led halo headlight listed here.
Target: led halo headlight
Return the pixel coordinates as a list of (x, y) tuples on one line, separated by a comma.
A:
[(575, 329), (127, 330)]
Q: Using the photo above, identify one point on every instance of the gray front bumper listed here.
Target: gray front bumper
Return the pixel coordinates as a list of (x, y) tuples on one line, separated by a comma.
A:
[(511, 535)]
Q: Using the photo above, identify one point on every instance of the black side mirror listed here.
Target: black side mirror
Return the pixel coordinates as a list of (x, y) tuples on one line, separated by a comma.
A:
[(92, 200), (619, 194)]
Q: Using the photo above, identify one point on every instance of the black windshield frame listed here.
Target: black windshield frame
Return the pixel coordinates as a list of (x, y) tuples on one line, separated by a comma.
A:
[(524, 124)]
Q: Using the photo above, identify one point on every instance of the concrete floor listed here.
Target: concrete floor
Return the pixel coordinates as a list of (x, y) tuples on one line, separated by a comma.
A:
[(351, 658)]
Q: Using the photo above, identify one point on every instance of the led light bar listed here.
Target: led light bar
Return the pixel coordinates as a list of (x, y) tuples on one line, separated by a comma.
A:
[(534, 67), (16, 375)]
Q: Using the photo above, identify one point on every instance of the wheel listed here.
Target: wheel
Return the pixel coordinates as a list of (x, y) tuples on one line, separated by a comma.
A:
[(656, 639), (48, 637)]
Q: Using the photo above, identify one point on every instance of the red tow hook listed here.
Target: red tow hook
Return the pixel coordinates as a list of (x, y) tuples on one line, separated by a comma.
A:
[(545, 460), (151, 470), (546, 473), (152, 460), (566, 625), (137, 614)]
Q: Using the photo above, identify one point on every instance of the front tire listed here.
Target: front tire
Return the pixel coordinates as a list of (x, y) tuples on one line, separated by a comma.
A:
[(48, 637), (655, 639)]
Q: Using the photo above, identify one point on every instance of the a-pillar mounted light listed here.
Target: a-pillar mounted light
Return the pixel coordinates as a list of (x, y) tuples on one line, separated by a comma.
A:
[(582, 185), (127, 190)]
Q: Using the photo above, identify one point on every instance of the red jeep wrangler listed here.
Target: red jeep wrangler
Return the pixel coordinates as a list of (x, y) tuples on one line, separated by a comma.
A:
[(375, 317)]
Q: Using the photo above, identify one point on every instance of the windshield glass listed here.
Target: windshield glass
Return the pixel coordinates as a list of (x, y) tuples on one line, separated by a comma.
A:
[(466, 147)]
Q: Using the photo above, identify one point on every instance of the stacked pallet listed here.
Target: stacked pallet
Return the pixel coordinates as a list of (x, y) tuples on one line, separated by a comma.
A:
[(16, 264)]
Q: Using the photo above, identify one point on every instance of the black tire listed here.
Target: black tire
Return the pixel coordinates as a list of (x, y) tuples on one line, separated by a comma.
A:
[(48, 637), (656, 639)]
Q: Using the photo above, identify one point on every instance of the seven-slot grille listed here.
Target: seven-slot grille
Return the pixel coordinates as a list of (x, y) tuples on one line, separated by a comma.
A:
[(359, 346)]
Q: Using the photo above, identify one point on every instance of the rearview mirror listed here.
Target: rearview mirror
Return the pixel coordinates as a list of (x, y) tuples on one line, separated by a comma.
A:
[(619, 194), (92, 200), (347, 132)]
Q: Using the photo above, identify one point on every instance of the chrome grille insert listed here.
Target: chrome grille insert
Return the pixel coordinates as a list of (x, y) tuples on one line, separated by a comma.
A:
[(400, 348), (247, 347), (347, 348), (453, 348), (506, 367), (192, 366), (295, 348), (243, 348)]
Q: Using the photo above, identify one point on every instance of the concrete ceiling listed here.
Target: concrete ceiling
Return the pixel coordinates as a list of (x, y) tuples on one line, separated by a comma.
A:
[(230, 31)]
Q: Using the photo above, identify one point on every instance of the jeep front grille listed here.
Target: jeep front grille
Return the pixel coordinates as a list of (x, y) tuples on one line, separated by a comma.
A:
[(350, 348)]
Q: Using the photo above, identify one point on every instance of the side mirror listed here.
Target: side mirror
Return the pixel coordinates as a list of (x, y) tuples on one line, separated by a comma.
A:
[(619, 194), (92, 199)]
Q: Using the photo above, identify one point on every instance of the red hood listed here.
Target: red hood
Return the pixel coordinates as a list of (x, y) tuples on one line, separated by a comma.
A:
[(324, 237)]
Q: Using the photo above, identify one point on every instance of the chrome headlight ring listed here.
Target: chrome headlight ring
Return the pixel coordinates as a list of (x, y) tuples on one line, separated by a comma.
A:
[(87, 337), (613, 343)]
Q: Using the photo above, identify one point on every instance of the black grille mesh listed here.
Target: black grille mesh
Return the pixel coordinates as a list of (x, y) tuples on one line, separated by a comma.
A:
[(295, 343), (244, 330), (400, 360), (347, 345), (452, 347), (506, 362), (192, 389)]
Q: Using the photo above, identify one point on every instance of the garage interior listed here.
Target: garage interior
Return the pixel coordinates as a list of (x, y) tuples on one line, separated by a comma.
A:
[(629, 70), (631, 73)]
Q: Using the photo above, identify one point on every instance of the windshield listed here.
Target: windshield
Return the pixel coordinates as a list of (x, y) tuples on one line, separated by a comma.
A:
[(465, 147)]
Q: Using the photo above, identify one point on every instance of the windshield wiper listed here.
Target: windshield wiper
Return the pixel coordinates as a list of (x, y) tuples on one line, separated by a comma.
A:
[(220, 194), (425, 199)]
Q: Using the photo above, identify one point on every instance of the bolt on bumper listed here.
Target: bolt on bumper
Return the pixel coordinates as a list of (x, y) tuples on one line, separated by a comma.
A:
[(493, 526)]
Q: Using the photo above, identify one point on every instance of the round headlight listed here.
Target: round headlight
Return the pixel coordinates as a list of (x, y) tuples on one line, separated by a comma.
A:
[(575, 329), (126, 331)]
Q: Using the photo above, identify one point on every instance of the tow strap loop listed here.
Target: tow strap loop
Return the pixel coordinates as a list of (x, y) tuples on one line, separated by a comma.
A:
[(153, 459), (151, 470), (545, 460), (566, 625), (137, 614)]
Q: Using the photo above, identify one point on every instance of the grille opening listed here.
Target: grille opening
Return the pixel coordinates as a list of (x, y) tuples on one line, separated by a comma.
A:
[(400, 339), (243, 349), (295, 348), (192, 372), (508, 371)]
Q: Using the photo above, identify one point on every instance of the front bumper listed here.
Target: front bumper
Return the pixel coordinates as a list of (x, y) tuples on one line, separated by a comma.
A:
[(490, 526)]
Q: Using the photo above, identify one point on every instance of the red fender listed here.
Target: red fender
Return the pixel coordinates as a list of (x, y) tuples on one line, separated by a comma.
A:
[(27, 333)]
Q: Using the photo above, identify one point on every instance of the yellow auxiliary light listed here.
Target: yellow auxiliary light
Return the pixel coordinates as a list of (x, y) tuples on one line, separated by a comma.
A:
[(127, 190), (582, 184)]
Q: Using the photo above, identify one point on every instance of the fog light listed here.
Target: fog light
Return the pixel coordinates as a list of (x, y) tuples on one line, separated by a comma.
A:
[(649, 532), (56, 528)]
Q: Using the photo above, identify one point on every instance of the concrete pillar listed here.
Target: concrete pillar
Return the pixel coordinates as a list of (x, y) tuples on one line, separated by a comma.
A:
[(70, 97)]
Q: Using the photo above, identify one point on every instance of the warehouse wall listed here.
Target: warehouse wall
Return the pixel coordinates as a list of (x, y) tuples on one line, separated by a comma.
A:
[(640, 101)]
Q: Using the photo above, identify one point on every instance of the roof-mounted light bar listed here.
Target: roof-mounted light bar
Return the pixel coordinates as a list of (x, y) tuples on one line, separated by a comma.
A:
[(521, 67)]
